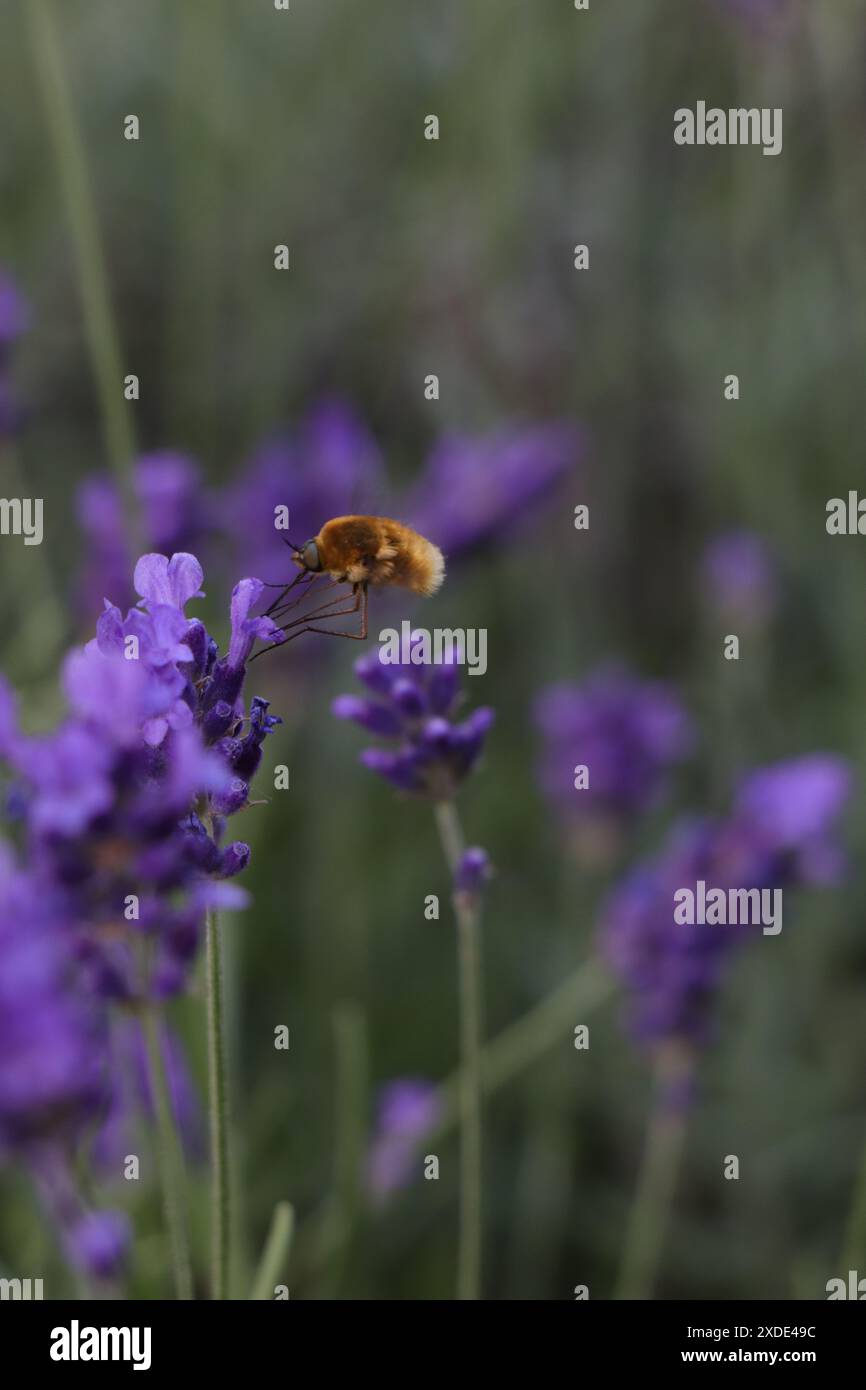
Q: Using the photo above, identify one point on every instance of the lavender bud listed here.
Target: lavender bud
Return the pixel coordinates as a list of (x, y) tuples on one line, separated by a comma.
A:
[(225, 684), (443, 686), (472, 871), (436, 736), (400, 769), (409, 698), (376, 676), (375, 718), (217, 720), (233, 798), (235, 859), (199, 643)]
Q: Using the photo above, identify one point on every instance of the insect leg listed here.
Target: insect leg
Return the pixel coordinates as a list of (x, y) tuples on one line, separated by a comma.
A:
[(360, 602), (361, 599), (287, 589), (278, 608), (320, 612)]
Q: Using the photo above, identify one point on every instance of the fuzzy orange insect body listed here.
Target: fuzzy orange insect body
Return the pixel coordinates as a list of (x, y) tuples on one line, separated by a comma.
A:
[(362, 551), (374, 550)]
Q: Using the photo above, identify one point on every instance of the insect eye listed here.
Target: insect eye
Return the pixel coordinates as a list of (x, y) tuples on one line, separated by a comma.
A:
[(310, 556)]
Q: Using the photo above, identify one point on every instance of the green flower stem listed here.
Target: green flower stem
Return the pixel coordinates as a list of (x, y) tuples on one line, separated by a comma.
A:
[(275, 1253), (524, 1042), (502, 1060), (469, 1086), (656, 1182), (340, 1214), (100, 328), (350, 1040), (218, 1110), (171, 1165), (196, 65)]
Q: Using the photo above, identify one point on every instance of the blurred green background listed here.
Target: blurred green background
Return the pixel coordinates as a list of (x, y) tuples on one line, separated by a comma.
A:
[(456, 257)]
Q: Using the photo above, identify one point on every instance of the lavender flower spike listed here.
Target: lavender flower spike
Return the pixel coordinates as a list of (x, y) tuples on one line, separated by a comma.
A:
[(413, 708)]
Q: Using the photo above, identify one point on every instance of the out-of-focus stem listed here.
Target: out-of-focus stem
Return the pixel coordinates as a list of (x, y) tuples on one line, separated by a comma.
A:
[(350, 1123), (469, 1086), (275, 1253), (520, 1044), (854, 1247), (506, 1057), (218, 1111), (350, 1040), (656, 1180), (171, 1163), (41, 635), (196, 66), (100, 327)]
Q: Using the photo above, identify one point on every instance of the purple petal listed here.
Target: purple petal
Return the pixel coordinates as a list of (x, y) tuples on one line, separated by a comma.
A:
[(173, 582)]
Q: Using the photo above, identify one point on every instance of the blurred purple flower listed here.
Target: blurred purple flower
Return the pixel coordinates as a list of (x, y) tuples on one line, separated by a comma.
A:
[(10, 414), (627, 732), (175, 515), (407, 1110), (14, 320), (54, 1081), (790, 811), (784, 820), (131, 1095), (413, 705), (98, 1242), (14, 313), (472, 872), (475, 490), (740, 577), (52, 1036), (671, 971), (331, 465)]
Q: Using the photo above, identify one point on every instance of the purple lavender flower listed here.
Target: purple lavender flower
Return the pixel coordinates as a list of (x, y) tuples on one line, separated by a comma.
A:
[(626, 732), (672, 971), (175, 515), (781, 833), (331, 465), (740, 577), (126, 804), (407, 1110), (477, 490), (413, 706), (123, 812)]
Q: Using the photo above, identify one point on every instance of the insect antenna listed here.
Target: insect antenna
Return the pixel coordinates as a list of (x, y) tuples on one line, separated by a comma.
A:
[(295, 551)]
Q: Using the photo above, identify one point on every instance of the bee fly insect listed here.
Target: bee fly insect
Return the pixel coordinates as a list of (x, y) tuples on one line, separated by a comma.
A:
[(362, 551)]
